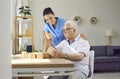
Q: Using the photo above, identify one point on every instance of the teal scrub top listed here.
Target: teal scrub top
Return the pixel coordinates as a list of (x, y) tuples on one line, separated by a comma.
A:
[(57, 32)]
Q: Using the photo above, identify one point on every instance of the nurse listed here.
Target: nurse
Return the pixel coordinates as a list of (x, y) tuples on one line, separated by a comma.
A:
[(53, 29)]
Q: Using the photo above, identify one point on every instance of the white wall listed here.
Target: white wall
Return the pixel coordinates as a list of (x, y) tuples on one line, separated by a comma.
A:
[(106, 11), (5, 43)]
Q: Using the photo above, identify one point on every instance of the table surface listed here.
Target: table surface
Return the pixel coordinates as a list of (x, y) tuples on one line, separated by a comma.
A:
[(40, 63), (33, 67)]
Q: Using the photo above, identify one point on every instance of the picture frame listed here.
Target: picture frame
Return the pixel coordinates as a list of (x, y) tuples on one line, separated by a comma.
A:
[(93, 20), (77, 19)]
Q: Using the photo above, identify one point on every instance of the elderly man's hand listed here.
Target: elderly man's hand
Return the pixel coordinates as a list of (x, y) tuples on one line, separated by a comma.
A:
[(57, 54)]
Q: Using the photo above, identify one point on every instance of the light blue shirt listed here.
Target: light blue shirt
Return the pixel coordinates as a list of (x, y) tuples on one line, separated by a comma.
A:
[(57, 33)]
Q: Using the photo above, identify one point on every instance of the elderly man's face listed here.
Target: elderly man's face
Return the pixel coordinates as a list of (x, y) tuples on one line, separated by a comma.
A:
[(68, 31)]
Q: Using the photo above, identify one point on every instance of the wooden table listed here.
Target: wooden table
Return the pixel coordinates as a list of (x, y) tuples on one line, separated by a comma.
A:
[(24, 67)]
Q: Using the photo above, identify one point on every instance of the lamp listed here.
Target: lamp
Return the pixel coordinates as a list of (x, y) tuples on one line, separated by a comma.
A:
[(109, 34)]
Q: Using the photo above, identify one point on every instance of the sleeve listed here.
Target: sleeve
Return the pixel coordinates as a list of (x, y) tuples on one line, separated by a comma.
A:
[(46, 28), (59, 46), (63, 21), (84, 48)]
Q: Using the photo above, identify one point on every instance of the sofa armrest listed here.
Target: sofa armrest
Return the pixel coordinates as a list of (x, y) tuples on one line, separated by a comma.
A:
[(111, 50)]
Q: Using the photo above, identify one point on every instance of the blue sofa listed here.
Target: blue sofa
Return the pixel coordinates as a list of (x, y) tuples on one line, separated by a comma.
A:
[(107, 58)]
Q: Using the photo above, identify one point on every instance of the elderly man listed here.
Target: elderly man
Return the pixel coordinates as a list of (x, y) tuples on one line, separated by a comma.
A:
[(74, 48)]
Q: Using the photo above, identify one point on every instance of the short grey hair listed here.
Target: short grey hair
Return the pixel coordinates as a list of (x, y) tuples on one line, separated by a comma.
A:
[(72, 24)]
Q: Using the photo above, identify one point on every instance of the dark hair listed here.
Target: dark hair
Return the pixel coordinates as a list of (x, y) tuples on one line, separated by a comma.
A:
[(47, 10)]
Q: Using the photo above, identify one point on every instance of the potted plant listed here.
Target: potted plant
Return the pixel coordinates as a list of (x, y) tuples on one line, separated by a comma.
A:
[(25, 10)]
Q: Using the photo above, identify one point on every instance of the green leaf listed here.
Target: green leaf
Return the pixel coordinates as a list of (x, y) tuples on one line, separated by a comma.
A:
[(27, 7), (21, 8), (25, 10), (21, 12)]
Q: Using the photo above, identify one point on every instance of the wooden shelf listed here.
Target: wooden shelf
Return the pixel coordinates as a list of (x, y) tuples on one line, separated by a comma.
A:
[(23, 17), (29, 31), (25, 35)]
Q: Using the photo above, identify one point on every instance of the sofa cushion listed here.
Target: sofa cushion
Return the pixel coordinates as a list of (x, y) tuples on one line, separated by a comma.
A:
[(107, 59), (117, 52), (111, 50), (99, 50)]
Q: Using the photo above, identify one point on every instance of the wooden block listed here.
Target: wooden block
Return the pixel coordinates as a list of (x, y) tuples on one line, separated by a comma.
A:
[(46, 55), (24, 54), (31, 55), (39, 55)]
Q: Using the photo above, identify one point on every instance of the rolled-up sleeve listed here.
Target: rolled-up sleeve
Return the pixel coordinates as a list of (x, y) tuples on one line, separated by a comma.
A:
[(46, 28)]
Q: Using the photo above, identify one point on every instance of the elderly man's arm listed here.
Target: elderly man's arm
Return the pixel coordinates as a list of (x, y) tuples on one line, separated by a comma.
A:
[(73, 57)]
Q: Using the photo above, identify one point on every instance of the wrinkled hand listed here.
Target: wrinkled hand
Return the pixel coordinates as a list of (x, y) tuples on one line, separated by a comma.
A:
[(57, 54), (84, 36)]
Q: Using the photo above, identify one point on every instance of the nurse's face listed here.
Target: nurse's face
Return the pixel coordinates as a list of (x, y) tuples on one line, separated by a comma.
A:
[(50, 18)]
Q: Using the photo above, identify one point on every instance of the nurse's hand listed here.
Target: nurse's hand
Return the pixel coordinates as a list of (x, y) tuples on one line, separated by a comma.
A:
[(84, 36)]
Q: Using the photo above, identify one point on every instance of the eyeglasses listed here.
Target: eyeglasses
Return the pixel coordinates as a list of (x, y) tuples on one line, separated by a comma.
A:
[(64, 30)]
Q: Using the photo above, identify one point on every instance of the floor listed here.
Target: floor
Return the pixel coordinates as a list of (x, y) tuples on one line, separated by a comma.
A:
[(109, 75)]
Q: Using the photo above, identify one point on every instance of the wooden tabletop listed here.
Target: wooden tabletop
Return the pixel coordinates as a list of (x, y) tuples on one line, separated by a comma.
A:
[(41, 63)]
